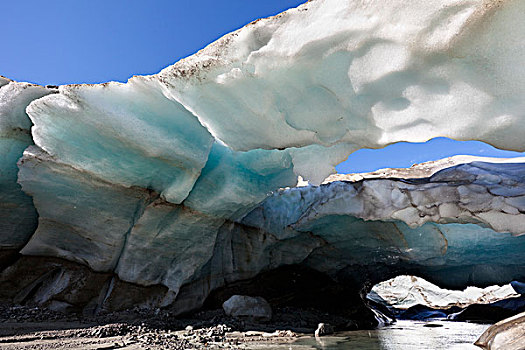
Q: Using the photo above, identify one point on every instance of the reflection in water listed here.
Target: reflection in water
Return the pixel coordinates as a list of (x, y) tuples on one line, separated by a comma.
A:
[(414, 335), (403, 335)]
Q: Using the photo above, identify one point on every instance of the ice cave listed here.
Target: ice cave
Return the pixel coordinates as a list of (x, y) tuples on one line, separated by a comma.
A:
[(177, 190)]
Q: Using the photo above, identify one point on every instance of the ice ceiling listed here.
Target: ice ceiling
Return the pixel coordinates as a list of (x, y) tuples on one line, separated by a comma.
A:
[(154, 179)]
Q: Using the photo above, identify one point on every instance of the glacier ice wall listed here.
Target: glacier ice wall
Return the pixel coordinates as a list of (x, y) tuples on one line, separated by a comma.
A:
[(17, 214), (489, 194), (81, 218), (446, 222), (128, 134), (173, 179)]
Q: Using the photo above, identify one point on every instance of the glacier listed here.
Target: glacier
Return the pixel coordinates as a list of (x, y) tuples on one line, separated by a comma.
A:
[(161, 190), (17, 213), (404, 292)]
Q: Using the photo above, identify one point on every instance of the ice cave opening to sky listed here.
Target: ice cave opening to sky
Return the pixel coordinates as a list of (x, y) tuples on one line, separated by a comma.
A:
[(405, 154), (98, 41)]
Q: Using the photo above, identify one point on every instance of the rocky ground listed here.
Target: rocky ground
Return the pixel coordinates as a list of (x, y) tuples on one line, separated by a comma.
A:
[(25, 327), (33, 327)]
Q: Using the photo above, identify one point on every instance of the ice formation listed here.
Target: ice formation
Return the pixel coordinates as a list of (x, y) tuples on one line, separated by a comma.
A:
[(504, 335), (17, 213), (404, 292), (434, 222), (177, 181)]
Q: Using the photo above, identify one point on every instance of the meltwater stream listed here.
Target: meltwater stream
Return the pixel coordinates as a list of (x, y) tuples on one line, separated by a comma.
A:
[(403, 335)]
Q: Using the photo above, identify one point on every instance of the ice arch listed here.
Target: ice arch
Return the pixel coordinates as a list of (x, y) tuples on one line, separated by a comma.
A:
[(337, 74)]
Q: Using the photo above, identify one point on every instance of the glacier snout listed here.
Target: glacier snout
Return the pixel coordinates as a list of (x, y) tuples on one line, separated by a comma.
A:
[(175, 185)]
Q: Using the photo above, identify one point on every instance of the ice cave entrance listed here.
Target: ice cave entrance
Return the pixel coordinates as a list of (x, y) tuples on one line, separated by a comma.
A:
[(405, 154), (413, 298)]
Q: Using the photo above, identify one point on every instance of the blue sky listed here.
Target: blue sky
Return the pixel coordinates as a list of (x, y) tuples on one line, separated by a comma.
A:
[(91, 41)]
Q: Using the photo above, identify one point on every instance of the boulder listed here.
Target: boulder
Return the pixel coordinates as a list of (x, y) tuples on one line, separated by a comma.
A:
[(254, 308), (508, 334)]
